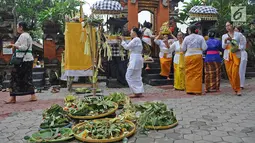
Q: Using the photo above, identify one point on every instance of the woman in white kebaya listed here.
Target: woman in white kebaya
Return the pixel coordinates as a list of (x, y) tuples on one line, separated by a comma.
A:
[(134, 71), (147, 33)]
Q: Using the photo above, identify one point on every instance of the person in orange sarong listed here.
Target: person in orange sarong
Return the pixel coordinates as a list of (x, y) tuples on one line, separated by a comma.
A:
[(165, 55), (194, 45), (232, 59)]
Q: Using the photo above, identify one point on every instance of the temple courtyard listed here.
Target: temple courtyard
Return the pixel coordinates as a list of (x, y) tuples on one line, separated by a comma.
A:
[(213, 118)]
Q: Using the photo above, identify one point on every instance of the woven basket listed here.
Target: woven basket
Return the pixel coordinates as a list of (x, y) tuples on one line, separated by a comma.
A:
[(162, 127), (106, 140), (97, 116)]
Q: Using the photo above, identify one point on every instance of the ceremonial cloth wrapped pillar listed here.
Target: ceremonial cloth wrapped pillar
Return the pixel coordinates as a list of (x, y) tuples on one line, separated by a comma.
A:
[(76, 62)]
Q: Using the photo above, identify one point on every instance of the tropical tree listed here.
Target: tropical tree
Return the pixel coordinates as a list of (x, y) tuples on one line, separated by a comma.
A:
[(223, 7), (36, 12)]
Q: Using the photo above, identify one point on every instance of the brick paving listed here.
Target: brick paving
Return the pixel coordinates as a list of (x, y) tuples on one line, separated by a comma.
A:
[(217, 117)]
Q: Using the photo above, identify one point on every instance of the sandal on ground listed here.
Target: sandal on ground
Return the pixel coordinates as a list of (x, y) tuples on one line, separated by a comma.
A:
[(54, 90), (239, 94)]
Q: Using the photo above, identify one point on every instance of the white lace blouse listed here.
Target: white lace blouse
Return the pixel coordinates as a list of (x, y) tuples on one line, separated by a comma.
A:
[(23, 43), (164, 49), (176, 46), (194, 44), (240, 40), (135, 47)]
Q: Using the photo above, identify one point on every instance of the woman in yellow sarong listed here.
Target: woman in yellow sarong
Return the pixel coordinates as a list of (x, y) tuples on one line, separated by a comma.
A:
[(194, 45), (231, 57), (165, 55), (179, 71)]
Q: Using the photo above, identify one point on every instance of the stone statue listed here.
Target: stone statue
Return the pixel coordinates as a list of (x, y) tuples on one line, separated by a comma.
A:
[(164, 3)]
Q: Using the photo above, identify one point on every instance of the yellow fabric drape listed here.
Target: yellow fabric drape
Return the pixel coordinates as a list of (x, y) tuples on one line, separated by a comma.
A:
[(232, 68), (179, 73), (75, 59), (194, 74), (165, 65)]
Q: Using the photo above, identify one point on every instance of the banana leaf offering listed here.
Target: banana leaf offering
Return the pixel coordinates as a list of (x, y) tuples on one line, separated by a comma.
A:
[(51, 135), (90, 107), (155, 114), (93, 21), (234, 46), (54, 117), (120, 98), (129, 112), (70, 98), (104, 130), (82, 90)]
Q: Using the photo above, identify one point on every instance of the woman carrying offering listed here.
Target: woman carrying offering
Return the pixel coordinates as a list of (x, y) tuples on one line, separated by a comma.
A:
[(21, 75), (134, 71), (194, 45), (147, 34), (233, 42), (212, 63), (165, 55), (179, 72), (244, 59)]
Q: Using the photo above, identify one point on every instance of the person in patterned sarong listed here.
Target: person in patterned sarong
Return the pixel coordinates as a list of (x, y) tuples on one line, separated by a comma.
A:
[(212, 64), (21, 75)]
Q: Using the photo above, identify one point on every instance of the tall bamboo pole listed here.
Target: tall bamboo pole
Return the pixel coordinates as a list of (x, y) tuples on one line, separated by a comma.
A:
[(93, 60)]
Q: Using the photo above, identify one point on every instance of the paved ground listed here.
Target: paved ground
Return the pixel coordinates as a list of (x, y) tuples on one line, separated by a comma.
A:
[(219, 117)]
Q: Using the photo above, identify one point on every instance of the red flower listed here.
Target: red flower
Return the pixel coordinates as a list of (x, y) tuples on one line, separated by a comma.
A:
[(196, 31), (171, 29)]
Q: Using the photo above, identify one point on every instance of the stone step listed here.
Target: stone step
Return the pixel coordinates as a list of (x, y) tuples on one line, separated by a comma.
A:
[(113, 83), (38, 82), (250, 69), (156, 76), (8, 76), (6, 84), (38, 75), (154, 71), (152, 65), (159, 82), (250, 74), (38, 70)]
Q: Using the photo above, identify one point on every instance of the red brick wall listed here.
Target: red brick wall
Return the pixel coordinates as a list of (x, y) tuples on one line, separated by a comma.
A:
[(49, 48)]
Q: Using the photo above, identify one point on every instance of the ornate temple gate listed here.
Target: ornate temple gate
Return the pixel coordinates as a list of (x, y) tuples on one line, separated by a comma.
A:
[(159, 8)]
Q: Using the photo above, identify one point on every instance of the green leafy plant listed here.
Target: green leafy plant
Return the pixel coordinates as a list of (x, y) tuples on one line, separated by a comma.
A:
[(54, 117), (51, 135), (117, 97), (103, 129), (155, 114), (90, 107)]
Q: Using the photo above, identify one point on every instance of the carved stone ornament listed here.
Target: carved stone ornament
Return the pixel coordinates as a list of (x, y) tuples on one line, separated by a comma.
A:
[(164, 3), (133, 1)]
